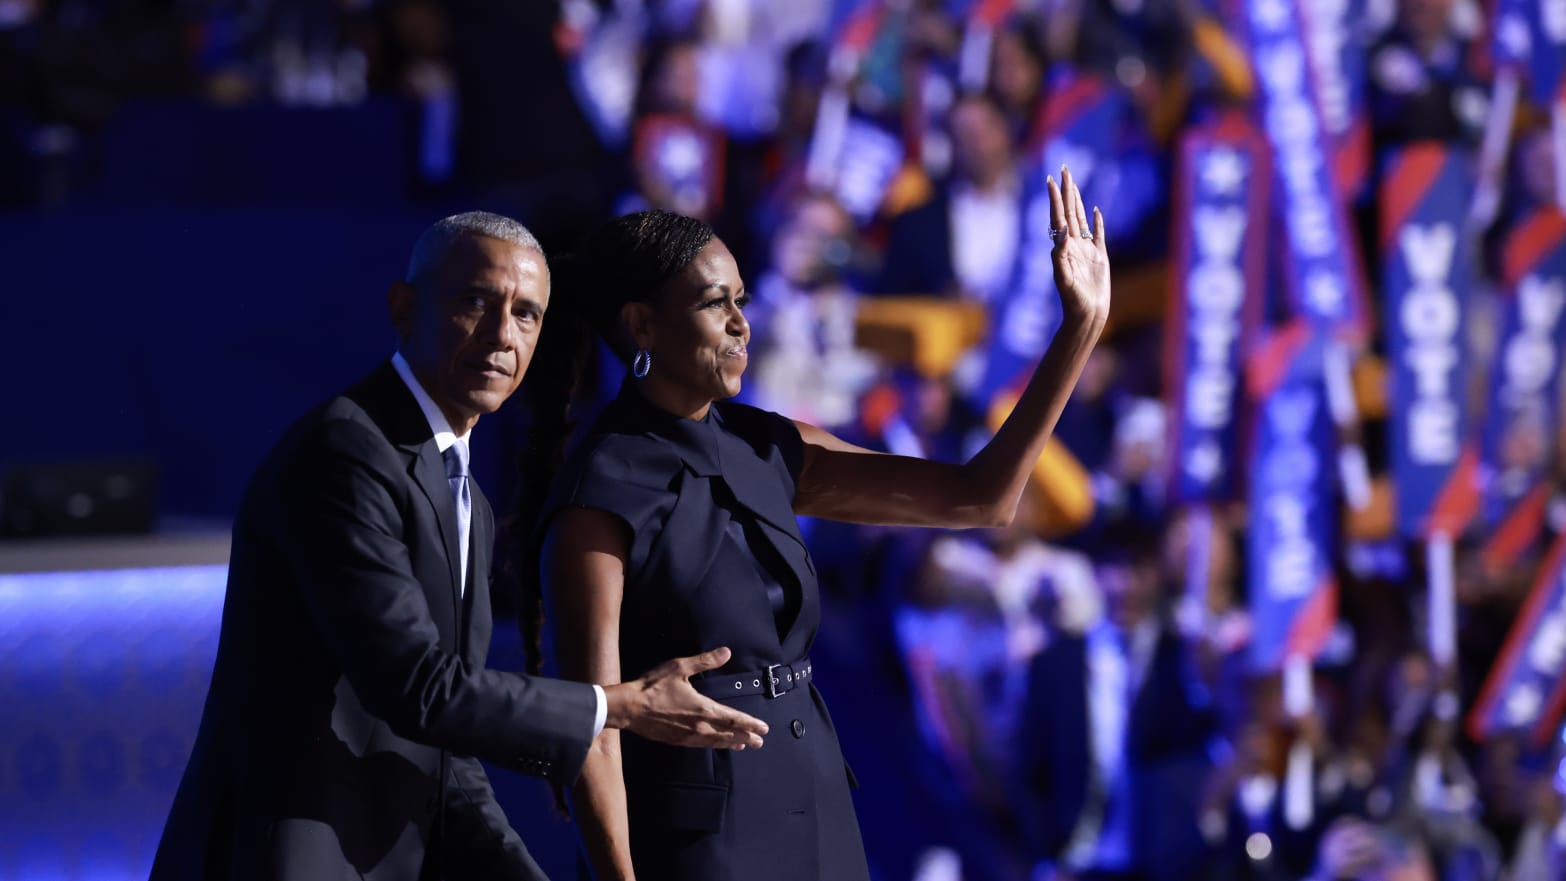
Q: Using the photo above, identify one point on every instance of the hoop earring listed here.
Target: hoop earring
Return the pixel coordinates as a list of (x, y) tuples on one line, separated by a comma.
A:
[(641, 363)]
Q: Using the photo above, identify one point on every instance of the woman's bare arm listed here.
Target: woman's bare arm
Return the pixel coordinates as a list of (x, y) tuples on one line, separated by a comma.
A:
[(839, 481), (584, 561)]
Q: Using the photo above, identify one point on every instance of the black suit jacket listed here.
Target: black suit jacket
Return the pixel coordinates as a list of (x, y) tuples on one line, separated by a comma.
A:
[(349, 703), (919, 249), (1167, 730)]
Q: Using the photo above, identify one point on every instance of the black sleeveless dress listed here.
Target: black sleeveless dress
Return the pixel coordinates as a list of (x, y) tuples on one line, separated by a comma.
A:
[(716, 559)]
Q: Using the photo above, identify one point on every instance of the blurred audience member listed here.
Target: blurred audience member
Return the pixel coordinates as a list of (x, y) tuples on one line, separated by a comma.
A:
[(1355, 850), (1541, 849), (1017, 68), (670, 80), (1134, 484), (972, 622), (676, 157), (1241, 815), (781, 176), (743, 49), (1118, 436), (1030, 585), (1506, 792), (1439, 805), (963, 241), (1420, 86), (917, 415), (1115, 733), (802, 320), (1536, 171)]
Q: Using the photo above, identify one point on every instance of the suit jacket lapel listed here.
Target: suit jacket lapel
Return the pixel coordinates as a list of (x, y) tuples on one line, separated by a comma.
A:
[(429, 472), (477, 620), (393, 407)]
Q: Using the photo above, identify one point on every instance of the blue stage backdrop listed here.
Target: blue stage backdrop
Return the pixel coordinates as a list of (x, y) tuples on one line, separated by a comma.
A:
[(190, 338)]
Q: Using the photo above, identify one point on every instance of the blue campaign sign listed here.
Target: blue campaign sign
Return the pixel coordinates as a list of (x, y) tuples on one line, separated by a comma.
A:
[(1293, 522), (1522, 416), (1531, 35), (870, 158), (1219, 236), (1427, 275), (1323, 264), (682, 158), (1332, 30), (1526, 688), (1511, 33), (1547, 55)]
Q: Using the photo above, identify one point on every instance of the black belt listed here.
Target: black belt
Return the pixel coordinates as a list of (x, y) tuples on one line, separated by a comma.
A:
[(773, 681)]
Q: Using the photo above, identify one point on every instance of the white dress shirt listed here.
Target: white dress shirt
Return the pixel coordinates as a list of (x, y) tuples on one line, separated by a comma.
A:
[(444, 438), (985, 228)]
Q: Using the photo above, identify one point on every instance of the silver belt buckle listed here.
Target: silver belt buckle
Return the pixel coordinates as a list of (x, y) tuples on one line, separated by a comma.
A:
[(769, 682)]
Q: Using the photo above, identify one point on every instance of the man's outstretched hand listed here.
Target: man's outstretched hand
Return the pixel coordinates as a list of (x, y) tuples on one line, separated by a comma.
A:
[(664, 706)]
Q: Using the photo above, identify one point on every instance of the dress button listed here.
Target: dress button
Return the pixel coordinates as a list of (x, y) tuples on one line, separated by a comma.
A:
[(797, 727)]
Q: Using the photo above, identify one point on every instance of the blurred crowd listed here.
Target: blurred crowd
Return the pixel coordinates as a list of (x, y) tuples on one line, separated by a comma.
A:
[(1085, 702), (1086, 710)]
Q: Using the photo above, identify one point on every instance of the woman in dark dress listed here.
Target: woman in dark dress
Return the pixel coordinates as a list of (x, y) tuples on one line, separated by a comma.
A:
[(672, 531)]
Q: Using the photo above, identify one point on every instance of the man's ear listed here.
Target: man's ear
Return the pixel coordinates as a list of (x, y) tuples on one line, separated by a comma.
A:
[(401, 301), (637, 319)]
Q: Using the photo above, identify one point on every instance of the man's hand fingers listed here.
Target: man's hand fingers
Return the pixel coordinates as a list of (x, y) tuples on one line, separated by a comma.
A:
[(730, 720), (726, 728), (703, 662), (715, 738), (738, 741)]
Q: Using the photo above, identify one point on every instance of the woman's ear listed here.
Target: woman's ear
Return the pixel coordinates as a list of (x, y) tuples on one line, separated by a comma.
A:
[(637, 319)]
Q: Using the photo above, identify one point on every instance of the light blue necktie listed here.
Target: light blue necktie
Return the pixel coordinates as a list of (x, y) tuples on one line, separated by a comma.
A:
[(456, 457)]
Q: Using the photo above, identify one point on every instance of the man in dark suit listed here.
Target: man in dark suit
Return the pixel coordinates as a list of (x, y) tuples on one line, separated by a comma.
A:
[(349, 704), (1114, 740), (963, 241)]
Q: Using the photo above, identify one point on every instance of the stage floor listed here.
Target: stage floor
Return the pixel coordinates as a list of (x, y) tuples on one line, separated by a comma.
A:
[(106, 649)]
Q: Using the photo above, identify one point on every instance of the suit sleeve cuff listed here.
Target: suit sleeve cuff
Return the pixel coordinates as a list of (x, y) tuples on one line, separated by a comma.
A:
[(601, 714)]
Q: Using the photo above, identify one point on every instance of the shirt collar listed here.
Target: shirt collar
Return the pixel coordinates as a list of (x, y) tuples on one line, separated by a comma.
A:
[(444, 436)]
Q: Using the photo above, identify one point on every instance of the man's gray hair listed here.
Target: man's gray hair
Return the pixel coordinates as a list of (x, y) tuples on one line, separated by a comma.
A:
[(433, 244)]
